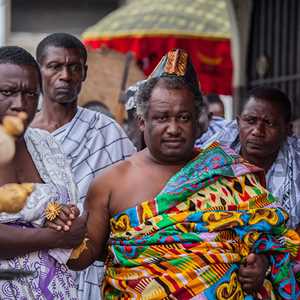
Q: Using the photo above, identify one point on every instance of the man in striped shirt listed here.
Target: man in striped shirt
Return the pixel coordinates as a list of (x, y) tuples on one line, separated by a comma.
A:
[(90, 140)]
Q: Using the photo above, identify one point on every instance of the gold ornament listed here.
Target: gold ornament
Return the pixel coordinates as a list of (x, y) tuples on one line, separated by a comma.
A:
[(76, 252), (52, 211)]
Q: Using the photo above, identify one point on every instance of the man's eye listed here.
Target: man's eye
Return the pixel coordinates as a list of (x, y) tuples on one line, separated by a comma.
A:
[(184, 118), (250, 121), (54, 67), (31, 94), (6, 93), (75, 68), (161, 118), (270, 123)]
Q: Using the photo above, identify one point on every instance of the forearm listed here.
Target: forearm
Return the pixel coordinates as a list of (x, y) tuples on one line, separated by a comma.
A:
[(16, 241)]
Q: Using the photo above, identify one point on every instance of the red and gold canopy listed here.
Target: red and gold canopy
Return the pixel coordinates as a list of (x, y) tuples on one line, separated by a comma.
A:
[(150, 28)]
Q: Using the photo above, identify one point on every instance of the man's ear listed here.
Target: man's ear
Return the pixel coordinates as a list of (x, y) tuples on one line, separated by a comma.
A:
[(141, 123), (85, 69)]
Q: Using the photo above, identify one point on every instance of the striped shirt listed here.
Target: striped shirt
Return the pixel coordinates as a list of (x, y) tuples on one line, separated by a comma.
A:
[(91, 141)]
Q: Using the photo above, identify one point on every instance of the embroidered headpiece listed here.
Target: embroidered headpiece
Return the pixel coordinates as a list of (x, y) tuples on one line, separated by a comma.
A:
[(177, 63)]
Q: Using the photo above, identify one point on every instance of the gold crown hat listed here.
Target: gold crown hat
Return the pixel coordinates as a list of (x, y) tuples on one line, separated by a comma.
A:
[(177, 62)]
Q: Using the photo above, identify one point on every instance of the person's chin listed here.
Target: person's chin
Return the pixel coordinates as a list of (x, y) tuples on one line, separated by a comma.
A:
[(256, 151), (65, 99), (174, 154)]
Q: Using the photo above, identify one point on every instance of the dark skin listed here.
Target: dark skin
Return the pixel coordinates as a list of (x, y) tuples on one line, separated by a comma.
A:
[(216, 109), (19, 91), (63, 70), (262, 130), (252, 273), (171, 125), (170, 129)]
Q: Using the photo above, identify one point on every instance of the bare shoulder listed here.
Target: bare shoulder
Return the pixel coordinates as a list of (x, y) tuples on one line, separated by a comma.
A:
[(115, 173), (117, 170)]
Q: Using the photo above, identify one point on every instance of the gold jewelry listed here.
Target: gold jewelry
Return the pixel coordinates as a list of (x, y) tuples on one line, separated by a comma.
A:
[(52, 211), (76, 252)]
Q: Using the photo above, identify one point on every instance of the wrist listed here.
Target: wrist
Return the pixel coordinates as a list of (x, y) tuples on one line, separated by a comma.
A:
[(53, 238)]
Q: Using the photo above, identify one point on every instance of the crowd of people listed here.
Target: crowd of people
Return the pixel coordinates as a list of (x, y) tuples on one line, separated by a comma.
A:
[(205, 209)]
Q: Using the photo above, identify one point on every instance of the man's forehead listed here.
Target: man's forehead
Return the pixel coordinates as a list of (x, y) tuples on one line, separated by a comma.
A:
[(162, 88), (157, 104), (266, 114), (60, 53), (259, 106), (7, 69)]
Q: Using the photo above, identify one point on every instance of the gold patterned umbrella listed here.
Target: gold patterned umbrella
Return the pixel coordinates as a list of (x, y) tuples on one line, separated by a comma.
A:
[(148, 17), (150, 28)]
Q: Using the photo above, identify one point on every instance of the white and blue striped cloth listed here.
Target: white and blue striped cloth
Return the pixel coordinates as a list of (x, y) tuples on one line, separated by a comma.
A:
[(92, 141)]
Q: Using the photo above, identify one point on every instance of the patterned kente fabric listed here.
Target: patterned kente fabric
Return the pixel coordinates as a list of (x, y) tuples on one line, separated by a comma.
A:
[(283, 178), (189, 241)]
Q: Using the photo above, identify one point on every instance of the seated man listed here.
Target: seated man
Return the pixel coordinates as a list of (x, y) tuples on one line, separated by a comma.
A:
[(178, 221), (38, 159), (261, 135)]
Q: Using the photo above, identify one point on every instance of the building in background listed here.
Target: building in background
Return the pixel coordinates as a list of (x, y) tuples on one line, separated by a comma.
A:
[(31, 20)]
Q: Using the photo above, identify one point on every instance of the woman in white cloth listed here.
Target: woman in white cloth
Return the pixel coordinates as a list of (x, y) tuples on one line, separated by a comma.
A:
[(25, 244)]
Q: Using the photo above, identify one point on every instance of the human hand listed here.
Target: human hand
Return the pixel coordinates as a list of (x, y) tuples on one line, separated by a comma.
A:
[(75, 235), (65, 219), (252, 273)]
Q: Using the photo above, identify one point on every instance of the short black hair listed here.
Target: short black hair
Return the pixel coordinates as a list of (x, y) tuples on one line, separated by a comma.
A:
[(60, 40), (172, 82), (213, 98), (18, 56), (274, 96)]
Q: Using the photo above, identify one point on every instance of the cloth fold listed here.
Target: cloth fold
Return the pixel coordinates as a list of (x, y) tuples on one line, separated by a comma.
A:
[(52, 279), (189, 241)]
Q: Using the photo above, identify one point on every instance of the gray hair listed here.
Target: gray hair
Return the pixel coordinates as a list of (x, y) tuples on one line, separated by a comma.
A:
[(145, 91)]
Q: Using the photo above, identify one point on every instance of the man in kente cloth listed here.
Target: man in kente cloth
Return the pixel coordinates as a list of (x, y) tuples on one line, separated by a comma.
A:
[(175, 222)]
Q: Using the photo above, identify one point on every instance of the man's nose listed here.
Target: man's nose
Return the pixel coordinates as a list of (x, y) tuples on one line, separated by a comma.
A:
[(65, 73), (173, 127), (17, 102), (259, 129)]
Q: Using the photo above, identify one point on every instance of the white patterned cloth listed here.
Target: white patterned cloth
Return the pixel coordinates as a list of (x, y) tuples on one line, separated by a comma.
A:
[(52, 279), (215, 125), (92, 141), (283, 178)]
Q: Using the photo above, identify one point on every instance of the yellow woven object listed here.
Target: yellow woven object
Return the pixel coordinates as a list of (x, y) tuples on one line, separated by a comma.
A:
[(13, 196), (52, 211)]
